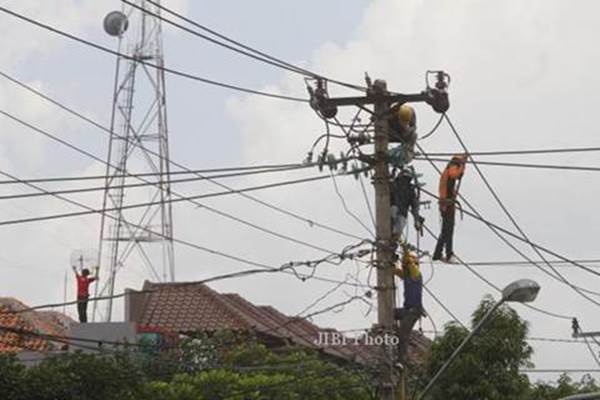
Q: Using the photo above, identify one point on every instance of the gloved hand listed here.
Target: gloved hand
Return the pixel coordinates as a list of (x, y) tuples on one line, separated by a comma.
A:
[(419, 221)]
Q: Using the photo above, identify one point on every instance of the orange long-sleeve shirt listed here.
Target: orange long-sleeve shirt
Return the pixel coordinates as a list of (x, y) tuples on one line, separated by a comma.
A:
[(447, 189)]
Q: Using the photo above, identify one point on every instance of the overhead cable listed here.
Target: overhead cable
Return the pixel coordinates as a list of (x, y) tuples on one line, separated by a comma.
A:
[(495, 230), (521, 165), (148, 64), (522, 152), (495, 287), (137, 185), (247, 50), (309, 221)]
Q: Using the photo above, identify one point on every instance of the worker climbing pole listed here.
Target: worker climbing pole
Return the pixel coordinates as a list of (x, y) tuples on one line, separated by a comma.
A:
[(396, 193)]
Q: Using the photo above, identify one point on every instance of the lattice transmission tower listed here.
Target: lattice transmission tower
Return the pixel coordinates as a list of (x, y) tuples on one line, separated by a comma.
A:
[(139, 144)]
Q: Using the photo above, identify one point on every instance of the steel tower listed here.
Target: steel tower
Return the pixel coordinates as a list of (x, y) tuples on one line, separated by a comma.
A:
[(139, 144)]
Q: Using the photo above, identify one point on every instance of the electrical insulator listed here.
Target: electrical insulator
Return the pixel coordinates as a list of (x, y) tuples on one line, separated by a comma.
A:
[(319, 100), (439, 95)]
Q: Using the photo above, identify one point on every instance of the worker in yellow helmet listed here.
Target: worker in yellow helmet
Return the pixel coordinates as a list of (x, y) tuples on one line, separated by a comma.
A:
[(410, 273), (403, 130)]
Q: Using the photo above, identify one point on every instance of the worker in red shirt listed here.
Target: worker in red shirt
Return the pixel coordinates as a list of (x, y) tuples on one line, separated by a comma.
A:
[(448, 192), (83, 284)]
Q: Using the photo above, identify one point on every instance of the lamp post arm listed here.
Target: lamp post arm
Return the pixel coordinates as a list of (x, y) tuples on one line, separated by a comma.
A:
[(444, 367), (583, 396)]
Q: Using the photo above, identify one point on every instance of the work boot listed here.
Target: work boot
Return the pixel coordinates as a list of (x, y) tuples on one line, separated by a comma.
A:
[(451, 259)]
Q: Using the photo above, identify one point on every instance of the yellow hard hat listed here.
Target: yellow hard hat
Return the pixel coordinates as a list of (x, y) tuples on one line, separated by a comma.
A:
[(406, 115), (411, 256)]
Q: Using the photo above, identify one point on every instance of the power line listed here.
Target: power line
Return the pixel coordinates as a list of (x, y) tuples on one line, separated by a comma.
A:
[(523, 152), (444, 307), (257, 54), (522, 165), (51, 337), (233, 275), (179, 198), (434, 129), (137, 185), (261, 266), (511, 217), (553, 340), (273, 207), (333, 371), (492, 285), (558, 371), (235, 171), (458, 321), (90, 211), (589, 347), (513, 235), (151, 203), (495, 229), (367, 201), (557, 263), (148, 64), (345, 206)]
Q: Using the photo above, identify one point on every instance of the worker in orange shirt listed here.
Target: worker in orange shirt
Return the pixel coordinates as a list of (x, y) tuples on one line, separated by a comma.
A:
[(448, 192)]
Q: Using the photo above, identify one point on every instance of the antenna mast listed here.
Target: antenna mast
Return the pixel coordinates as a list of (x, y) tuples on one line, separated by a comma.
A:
[(139, 143)]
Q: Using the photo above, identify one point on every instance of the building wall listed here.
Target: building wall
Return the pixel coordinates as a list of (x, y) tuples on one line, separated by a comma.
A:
[(101, 333)]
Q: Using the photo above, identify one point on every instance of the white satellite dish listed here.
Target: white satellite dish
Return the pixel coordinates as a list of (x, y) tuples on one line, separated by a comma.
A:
[(84, 258), (115, 23)]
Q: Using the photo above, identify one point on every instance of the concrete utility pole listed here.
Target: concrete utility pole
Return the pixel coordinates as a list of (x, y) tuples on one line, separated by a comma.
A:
[(391, 380), (386, 290)]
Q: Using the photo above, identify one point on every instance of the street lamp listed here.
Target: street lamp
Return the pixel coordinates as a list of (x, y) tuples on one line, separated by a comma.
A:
[(585, 396), (521, 291)]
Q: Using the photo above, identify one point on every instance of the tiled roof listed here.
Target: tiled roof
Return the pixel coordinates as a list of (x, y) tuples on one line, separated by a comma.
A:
[(188, 308), (50, 323), (194, 307)]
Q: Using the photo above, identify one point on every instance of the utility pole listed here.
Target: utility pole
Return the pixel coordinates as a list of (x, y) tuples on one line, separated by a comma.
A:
[(386, 290), (391, 380)]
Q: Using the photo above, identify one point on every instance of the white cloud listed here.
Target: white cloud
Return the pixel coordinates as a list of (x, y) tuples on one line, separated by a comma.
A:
[(523, 76)]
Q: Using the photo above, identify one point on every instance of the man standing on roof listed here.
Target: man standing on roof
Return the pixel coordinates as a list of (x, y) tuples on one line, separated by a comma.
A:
[(448, 192), (83, 284)]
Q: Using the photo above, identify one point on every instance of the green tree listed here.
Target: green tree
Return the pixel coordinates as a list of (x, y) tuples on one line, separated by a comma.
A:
[(222, 367), (488, 367), (563, 387), (11, 377), (84, 376), (252, 371)]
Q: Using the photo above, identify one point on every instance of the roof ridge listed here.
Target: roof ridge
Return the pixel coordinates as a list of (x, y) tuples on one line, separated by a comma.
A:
[(228, 299)]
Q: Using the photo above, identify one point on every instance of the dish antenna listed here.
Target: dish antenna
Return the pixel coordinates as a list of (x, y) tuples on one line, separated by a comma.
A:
[(85, 258), (115, 23)]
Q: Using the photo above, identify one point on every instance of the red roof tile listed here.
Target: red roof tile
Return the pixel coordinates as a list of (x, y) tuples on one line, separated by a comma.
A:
[(194, 307), (50, 323)]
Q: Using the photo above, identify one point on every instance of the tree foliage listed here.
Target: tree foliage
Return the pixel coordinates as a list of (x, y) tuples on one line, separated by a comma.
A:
[(222, 367), (563, 387), (488, 367)]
